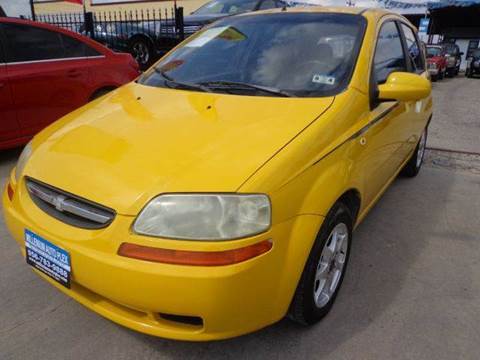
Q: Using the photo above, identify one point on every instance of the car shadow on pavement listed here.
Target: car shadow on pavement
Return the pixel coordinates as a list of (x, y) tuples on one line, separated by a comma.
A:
[(386, 246)]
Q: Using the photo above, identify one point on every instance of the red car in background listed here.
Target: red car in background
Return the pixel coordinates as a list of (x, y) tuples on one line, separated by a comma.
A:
[(47, 72), (437, 62)]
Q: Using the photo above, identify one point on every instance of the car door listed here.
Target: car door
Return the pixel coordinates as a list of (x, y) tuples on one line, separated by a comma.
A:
[(381, 138), (415, 110), (9, 129), (46, 82)]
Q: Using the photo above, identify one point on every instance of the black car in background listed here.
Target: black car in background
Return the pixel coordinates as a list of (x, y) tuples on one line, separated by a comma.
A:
[(473, 63), (148, 40), (454, 58), (145, 40), (217, 9)]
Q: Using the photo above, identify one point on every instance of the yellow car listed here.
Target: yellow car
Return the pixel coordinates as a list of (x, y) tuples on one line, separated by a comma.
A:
[(218, 193)]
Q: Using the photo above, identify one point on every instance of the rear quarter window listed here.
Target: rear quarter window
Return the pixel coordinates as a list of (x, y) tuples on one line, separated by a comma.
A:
[(76, 48)]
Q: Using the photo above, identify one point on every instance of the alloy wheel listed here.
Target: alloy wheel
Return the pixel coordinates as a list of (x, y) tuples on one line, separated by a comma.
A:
[(331, 264), (141, 52), (421, 149)]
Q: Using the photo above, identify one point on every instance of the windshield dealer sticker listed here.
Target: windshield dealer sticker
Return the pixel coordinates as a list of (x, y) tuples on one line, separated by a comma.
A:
[(323, 79), (206, 36)]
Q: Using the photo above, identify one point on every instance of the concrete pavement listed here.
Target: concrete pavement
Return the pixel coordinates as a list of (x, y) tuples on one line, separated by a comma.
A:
[(456, 115)]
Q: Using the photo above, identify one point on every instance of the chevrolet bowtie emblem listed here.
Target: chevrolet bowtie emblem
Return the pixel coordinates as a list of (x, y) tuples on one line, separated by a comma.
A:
[(58, 202)]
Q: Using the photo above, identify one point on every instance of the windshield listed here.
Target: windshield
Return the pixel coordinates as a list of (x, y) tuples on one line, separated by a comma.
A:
[(227, 7), (450, 49), (433, 51), (476, 53), (299, 54)]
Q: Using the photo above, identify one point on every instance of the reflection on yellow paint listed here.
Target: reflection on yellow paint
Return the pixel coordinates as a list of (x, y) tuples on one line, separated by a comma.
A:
[(232, 34)]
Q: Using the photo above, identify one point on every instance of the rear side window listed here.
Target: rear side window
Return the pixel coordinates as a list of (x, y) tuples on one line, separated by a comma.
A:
[(413, 49), (28, 43), (389, 56), (75, 48)]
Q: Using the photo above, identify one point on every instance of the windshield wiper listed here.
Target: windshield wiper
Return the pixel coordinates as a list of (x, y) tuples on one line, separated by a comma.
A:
[(181, 85), (223, 84)]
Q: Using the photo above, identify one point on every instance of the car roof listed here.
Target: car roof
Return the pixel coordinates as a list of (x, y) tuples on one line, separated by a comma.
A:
[(97, 46)]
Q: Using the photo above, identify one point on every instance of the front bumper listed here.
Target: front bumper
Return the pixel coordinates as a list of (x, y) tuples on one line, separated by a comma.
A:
[(230, 300), (433, 72)]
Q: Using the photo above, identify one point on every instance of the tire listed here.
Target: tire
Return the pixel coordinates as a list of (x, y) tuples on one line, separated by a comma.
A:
[(312, 301), (142, 51), (413, 166), (434, 78), (441, 75), (468, 74)]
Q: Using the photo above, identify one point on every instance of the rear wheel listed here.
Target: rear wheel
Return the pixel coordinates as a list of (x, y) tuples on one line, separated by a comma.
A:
[(142, 50), (325, 268), (434, 78), (412, 168)]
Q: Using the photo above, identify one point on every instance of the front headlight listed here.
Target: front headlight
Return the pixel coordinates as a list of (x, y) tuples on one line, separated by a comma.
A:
[(22, 161), (204, 216)]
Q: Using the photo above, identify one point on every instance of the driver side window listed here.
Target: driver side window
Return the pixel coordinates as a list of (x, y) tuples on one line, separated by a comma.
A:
[(389, 55)]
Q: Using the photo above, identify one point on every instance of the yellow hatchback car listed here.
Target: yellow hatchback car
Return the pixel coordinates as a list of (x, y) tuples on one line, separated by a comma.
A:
[(218, 192)]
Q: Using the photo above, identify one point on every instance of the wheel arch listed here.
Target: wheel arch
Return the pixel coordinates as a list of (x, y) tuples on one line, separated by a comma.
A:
[(141, 36), (99, 91), (352, 200)]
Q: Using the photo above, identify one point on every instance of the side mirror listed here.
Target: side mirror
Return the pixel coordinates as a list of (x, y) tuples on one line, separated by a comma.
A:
[(461, 53), (403, 86)]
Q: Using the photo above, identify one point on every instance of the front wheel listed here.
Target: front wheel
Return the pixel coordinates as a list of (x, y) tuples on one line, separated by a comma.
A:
[(412, 168), (325, 268)]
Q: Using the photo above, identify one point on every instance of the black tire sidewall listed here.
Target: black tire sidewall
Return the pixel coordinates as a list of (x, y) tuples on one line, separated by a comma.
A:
[(148, 45), (338, 214), (411, 169)]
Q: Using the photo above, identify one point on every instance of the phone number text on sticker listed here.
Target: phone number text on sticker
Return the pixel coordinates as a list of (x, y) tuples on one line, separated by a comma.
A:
[(48, 258)]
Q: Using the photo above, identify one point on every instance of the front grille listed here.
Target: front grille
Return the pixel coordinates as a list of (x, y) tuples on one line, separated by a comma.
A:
[(69, 208)]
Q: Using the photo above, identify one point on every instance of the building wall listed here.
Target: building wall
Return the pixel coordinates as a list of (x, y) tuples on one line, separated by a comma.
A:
[(65, 7)]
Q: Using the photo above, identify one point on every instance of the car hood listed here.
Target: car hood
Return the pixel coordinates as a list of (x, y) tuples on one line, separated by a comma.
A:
[(139, 141)]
